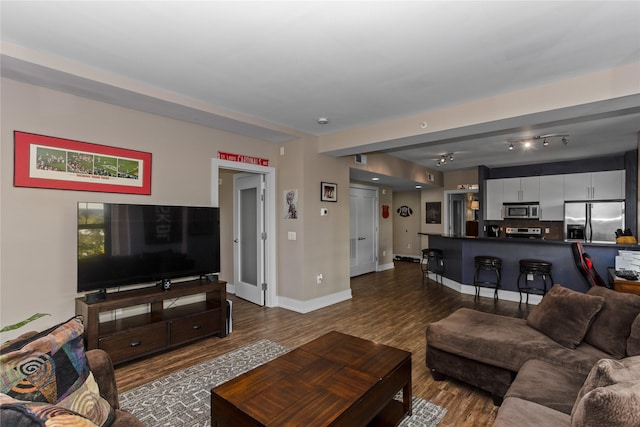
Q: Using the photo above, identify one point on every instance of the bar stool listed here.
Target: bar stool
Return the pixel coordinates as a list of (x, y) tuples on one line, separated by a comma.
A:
[(432, 260), (487, 263), (535, 268)]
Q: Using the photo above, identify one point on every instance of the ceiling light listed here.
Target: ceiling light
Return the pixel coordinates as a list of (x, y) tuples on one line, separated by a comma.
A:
[(323, 120), (443, 159), (545, 142), (418, 186), (510, 146), (527, 144), (375, 178)]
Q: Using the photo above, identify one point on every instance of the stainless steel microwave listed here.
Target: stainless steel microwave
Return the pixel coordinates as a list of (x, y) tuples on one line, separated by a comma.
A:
[(520, 210)]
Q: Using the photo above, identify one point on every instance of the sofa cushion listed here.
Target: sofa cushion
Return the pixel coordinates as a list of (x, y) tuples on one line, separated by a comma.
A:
[(547, 384), (22, 413), (51, 367), (519, 412), (565, 315), (615, 405), (612, 325), (633, 343), (505, 342)]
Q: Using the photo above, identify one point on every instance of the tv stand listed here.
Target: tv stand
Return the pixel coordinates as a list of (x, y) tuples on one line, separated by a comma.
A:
[(129, 338)]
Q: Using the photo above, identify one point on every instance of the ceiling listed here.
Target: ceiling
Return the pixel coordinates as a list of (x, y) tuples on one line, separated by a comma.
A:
[(270, 69)]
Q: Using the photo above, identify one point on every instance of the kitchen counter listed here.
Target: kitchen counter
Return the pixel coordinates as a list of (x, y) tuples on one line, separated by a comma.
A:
[(459, 252)]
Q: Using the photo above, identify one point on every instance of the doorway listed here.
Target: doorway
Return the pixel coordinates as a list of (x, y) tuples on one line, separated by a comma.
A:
[(268, 175), (363, 238), (457, 205)]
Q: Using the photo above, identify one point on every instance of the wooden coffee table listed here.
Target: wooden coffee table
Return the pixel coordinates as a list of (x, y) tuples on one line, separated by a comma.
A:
[(335, 380)]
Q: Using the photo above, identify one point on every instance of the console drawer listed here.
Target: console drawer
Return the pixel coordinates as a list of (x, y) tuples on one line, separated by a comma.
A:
[(135, 342), (195, 326)]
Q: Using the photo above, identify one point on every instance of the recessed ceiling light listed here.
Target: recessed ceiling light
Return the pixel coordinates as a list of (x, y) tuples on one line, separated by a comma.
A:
[(375, 178), (323, 120), (418, 186)]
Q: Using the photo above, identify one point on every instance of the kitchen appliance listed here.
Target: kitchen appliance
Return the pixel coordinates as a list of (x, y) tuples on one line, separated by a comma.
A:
[(593, 221), (523, 232), (520, 211)]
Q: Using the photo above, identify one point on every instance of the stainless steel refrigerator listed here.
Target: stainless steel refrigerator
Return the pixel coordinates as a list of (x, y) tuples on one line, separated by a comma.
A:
[(593, 221)]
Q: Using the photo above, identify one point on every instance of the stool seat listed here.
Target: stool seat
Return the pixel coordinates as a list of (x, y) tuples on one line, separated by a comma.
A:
[(487, 263), (534, 268), (432, 260)]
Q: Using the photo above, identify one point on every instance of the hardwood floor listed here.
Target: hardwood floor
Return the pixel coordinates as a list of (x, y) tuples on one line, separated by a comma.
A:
[(390, 307)]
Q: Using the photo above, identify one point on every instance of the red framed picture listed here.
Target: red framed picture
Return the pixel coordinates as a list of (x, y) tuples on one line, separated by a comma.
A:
[(47, 162)]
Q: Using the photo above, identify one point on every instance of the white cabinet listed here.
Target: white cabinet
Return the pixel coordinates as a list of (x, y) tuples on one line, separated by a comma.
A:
[(494, 199), (552, 198), (607, 185), (521, 189)]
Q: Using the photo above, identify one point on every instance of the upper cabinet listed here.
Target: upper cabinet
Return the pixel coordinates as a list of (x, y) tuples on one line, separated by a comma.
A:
[(552, 198), (607, 185), (493, 199), (521, 189)]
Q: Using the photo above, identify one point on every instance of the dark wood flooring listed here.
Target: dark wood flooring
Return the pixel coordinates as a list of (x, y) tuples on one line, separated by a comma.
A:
[(392, 307)]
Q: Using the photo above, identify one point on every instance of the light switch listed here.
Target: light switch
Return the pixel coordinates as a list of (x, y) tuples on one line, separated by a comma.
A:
[(292, 235), (324, 211)]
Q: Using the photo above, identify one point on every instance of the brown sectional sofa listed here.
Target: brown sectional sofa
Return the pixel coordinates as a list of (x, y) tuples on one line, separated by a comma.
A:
[(557, 367)]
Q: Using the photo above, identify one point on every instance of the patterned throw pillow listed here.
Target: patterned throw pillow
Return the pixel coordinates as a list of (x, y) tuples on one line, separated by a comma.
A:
[(20, 413), (51, 367)]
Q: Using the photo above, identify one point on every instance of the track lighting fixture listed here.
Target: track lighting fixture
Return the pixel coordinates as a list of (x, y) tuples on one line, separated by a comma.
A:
[(444, 158), (527, 141)]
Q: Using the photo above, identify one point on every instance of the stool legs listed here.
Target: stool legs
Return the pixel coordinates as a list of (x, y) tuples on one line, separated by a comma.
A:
[(488, 264)]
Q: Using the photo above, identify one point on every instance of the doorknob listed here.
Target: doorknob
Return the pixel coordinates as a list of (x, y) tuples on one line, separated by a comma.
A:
[(362, 238)]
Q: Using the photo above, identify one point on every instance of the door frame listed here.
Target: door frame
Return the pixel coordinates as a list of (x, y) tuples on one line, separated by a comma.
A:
[(270, 215)]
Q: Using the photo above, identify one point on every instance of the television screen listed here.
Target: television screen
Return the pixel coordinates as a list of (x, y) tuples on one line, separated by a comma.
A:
[(124, 244)]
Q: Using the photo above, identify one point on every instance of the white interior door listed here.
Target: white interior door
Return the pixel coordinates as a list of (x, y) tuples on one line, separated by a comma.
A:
[(363, 204), (249, 237)]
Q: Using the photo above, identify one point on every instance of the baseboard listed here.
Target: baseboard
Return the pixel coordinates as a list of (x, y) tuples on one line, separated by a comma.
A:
[(314, 304), (383, 267), (489, 292)]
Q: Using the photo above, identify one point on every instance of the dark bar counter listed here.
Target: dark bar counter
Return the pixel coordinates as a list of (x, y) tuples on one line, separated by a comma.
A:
[(460, 251)]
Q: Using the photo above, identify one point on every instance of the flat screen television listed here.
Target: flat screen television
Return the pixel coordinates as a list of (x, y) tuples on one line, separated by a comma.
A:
[(127, 244)]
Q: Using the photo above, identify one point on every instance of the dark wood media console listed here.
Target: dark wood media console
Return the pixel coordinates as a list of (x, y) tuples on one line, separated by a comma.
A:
[(161, 328)]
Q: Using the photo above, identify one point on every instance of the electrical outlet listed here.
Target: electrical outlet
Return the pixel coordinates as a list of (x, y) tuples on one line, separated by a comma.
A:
[(408, 245), (319, 278), (546, 231)]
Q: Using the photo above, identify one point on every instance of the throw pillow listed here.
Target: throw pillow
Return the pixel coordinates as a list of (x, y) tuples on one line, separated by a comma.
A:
[(51, 367), (612, 325), (615, 405), (607, 372), (20, 413), (565, 315), (633, 343)]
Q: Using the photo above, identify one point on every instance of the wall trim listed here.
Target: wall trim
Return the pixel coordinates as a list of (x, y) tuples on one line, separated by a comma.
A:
[(314, 304), (388, 266), (488, 292)]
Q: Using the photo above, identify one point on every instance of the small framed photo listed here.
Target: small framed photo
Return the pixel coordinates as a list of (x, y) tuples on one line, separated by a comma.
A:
[(328, 192)]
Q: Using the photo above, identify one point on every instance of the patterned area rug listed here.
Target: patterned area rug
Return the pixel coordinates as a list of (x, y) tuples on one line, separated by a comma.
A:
[(183, 398)]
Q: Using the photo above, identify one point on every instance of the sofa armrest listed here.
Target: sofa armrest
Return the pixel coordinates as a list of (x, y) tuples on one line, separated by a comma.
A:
[(102, 368)]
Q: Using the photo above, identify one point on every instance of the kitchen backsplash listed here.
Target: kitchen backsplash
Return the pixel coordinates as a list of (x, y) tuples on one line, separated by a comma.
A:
[(556, 228)]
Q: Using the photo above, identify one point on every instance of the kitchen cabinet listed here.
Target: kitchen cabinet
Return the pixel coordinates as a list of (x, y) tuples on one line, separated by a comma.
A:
[(494, 193), (606, 185), (525, 189), (552, 198)]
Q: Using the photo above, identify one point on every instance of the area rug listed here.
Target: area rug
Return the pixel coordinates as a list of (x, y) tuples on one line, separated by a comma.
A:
[(183, 398)]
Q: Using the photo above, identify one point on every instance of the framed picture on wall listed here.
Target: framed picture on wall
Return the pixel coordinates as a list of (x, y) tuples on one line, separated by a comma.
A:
[(434, 213), (328, 192), (48, 162)]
